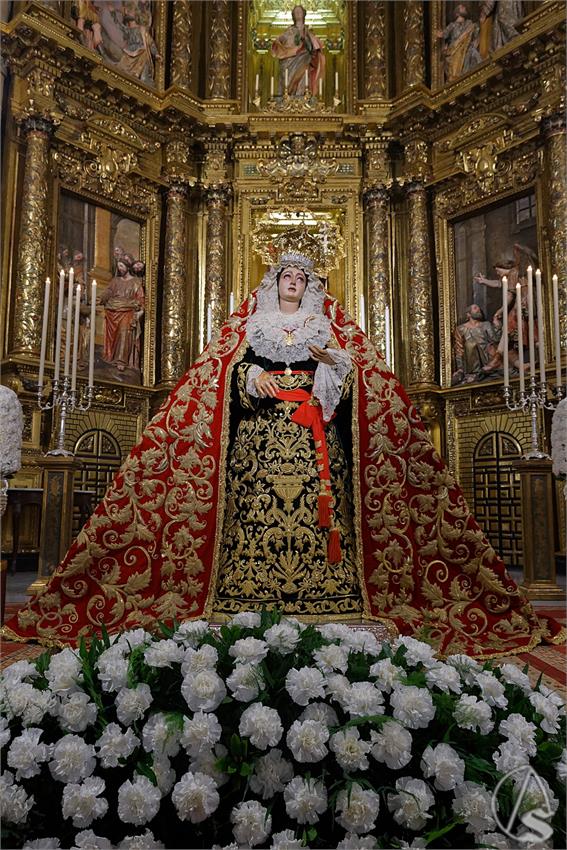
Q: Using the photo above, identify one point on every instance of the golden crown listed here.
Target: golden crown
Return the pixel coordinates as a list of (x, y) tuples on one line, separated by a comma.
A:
[(320, 243)]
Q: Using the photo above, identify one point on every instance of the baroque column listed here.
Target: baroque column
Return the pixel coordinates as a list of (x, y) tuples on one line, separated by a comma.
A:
[(377, 208), (556, 165), (182, 33), (219, 45), (413, 47), (420, 309), (30, 283), (215, 280), (174, 312), (375, 49)]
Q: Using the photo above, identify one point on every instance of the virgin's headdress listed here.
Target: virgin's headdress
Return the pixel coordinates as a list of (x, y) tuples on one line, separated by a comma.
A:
[(267, 293)]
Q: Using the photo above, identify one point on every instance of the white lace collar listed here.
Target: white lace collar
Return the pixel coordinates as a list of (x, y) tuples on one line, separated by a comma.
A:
[(284, 337)]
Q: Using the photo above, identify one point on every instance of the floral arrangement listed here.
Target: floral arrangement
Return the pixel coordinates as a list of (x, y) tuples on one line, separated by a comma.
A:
[(559, 439), (271, 733), (11, 427)]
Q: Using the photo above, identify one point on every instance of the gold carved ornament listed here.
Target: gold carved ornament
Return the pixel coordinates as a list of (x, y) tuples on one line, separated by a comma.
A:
[(322, 242)]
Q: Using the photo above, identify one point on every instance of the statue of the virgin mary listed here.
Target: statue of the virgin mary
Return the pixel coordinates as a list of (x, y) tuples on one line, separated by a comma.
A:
[(287, 469)]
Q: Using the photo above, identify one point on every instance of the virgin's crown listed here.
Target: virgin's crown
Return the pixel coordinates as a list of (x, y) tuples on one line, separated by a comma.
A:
[(313, 245), (294, 259)]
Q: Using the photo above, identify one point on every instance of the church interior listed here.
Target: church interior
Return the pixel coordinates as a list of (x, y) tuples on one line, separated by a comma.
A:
[(155, 152)]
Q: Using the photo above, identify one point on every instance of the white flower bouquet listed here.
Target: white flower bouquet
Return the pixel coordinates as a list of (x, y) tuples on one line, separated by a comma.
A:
[(270, 733), (11, 427), (559, 439)]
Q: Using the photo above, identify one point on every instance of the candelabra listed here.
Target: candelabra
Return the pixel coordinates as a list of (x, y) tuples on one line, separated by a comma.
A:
[(67, 400), (534, 400), (307, 102)]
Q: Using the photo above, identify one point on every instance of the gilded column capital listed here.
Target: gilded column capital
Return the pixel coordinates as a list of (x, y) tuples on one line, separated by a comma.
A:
[(551, 125), (215, 171), (376, 194), (179, 167), (417, 161), (37, 124), (218, 197), (219, 50), (33, 94)]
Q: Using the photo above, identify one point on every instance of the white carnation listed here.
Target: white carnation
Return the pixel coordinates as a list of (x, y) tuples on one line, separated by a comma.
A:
[(305, 799), (65, 672), (350, 750), (357, 842), (282, 638), (331, 657), (305, 684), (245, 682), (129, 640), (494, 840), (248, 650), (492, 690), (132, 703), (42, 844), (197, 660), (77, 712), (15, 805), (410, 806), (364, 700), (416, 651), (412, 706), (514, 676), (164, 653), (247, 619), (518, 729), (392, 745), (536, 794), (191, 632), (471, 713), (549, 711), (164, 773), (286, 840), (466, 666), (561, 766), (161, 736), (82, 803), (444, 677), (203, 691), (87, 840), (387, 674), (206, 762), (473, 803), (200, 733), (28, 704), (338, 688), (115, 745), (146, 841), (509, 756), (5, 733), (307, 741), (359, 809), (72, 759), (251, 823), (17, 672), (262, 725), (138, 801), (334, 631), (26, 753), (271, 773), (195, 797), (320, 711), (361, 640), (443, 763), (112, 666)]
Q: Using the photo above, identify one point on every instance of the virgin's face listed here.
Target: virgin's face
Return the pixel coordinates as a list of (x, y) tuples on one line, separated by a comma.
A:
[(292, 285)]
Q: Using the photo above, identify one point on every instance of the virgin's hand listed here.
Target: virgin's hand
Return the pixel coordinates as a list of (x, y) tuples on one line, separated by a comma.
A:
[(266, 385), (321, 355)]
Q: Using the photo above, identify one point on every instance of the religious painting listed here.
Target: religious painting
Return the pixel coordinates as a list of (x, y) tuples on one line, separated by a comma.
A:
[(297, 52), (122, 32), (498, 242), (470, 32), (105, 246)]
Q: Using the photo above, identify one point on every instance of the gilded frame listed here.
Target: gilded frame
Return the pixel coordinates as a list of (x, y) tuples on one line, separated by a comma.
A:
[(445, 219), (149, 221)]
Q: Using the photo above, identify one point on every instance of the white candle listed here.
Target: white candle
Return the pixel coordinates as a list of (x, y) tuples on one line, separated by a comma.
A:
[(257, 85), (320, 86), (336, 82), (231, 303), (59, 325), (387, 337), (520, 337), (93, 332), (531, 332), (540, 326), (209, 323), (362, 314), (505, 330), (76, 338), (271, 86), (306, 79), (69, 317), (556, 331), (44, 333), (286, 77)]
